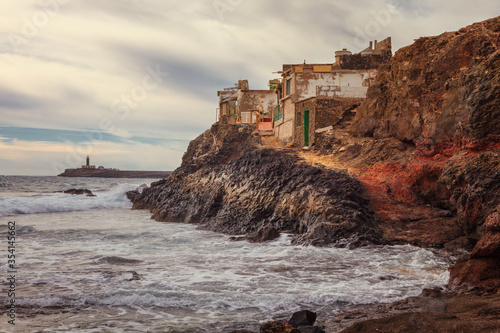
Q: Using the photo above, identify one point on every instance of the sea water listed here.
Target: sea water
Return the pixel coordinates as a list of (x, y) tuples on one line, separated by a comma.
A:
[(91, 264)]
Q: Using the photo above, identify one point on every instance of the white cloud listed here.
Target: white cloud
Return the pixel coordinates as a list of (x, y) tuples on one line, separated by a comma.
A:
[(72, 68)]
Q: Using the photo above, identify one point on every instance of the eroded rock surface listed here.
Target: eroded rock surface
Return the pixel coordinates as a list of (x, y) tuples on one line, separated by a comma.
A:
[(228, 189)]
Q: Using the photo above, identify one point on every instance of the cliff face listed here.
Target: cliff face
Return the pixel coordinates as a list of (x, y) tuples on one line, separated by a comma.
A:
[(227, 183), (439, 89), (440, 99)]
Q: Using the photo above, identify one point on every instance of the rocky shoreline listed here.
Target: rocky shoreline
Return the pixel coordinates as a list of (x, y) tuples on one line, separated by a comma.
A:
[(266, 187), (418, 164)]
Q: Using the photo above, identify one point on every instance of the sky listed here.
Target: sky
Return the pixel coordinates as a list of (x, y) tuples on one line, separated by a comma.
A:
[(131, 82)]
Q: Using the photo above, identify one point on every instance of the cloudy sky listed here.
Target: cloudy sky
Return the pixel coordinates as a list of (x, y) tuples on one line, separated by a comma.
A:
[(131, 82)]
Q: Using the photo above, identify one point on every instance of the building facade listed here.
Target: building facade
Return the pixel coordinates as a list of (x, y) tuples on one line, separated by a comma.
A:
[(241, 105), (348, 78)]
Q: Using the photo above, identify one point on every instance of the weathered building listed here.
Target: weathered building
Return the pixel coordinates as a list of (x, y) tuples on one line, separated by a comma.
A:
[(243, 105), (348, 78), (316, 115)]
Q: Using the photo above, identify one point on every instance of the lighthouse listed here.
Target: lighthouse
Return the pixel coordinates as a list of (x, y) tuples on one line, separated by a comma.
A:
[(87, 165)]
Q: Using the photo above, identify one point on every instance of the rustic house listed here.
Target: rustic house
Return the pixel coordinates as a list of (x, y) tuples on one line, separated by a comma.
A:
[(241, 105), (315, 96)]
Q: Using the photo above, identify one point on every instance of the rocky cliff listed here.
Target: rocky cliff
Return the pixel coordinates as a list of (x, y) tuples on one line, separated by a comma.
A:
[(229, 183), (419, 163), (441, 98), (442, 89)]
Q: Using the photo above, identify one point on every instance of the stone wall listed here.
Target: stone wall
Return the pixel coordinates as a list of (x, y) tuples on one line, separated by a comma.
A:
[(362, 61), (323, 112)]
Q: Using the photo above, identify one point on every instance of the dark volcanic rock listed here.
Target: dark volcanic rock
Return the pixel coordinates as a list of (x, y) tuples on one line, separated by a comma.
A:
[(75, 191), (266, 188), (441, 88), (474, 184), (159, 183), (264, 234), (131, 195), (302, 318)]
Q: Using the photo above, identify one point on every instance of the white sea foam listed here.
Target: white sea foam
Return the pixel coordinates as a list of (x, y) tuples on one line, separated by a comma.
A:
[(106, 261), (60, 202)]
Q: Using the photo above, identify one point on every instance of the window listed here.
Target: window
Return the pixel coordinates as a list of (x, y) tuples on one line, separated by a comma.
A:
[(289, 86)]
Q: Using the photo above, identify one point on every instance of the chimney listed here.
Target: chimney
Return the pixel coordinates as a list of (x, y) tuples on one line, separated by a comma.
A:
[(375, 46), (371, 46), (243, 84)]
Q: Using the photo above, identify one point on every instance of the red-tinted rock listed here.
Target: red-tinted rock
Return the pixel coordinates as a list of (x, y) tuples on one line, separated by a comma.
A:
[(482, 268), (278, 327), (439, 88), (488, 246), (482, 274)]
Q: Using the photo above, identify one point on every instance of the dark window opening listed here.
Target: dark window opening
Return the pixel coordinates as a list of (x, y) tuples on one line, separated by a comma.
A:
[(289, 86)]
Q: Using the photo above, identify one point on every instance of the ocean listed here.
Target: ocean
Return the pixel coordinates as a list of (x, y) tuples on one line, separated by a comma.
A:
[(91, 264)]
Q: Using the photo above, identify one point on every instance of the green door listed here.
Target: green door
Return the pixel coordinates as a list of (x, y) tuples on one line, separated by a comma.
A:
[(306, 128)]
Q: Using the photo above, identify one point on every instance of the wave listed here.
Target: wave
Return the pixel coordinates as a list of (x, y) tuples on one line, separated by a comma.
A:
[(113, 198), (113, 260)]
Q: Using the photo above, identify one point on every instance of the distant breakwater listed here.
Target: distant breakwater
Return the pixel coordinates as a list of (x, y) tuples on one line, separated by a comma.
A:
[(107, 173)]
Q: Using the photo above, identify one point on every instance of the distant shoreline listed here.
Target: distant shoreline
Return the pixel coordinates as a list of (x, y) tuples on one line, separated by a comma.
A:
[(103, 173)]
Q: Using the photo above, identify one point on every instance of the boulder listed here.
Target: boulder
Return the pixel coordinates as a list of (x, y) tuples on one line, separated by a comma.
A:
[(460, 244), (302, 318), (75, 191), (264, 234), (482, 268), (131, 195)]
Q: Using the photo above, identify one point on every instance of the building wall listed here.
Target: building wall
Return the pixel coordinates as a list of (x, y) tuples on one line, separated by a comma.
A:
[(348, 84), (226, 104), (284, 128), (323, 112), (309, 104), (250, 99)]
